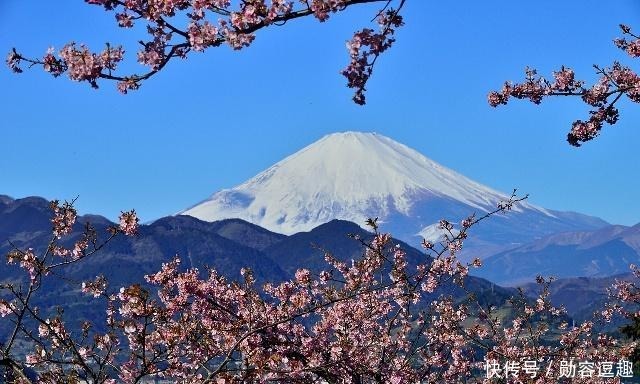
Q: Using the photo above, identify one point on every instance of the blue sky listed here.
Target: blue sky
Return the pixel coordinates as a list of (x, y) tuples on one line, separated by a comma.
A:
[(220, 117)]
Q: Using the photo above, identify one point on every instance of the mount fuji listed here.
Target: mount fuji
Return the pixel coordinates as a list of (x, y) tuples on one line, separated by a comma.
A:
[(353, 176)]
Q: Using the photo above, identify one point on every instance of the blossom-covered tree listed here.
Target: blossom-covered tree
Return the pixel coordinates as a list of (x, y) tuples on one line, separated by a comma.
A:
[(19, 306), (210, 24), (377, 319)]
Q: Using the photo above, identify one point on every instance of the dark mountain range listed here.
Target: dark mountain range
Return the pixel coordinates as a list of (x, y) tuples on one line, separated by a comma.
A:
[(226, 246), (26, 216), (600, 253), (245, 233), (195, 241), (124, 261), (307, 249)]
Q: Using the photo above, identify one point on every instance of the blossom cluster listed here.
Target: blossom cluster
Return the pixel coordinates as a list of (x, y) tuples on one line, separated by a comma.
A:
[(364, 49), (81, 64), (64, 216), (96, 287), (27, 260), (129, 222)]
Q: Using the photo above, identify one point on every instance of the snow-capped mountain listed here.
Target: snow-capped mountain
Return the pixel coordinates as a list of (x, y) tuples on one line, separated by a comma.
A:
[(354, 176)]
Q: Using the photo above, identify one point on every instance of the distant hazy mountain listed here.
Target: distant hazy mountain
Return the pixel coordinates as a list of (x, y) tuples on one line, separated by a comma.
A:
[(353, 176), (604, 252)]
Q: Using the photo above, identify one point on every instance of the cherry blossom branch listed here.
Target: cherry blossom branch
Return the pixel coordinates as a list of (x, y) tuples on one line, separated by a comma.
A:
[(236, 28), (363, 60), (614, 83)]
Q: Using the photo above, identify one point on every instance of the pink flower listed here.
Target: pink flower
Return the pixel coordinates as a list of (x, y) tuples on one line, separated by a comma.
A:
[(129, 223), (303, 276), (6, 308), (202, 36), (565, 79), (64, 216), (13, 62), (96, 287)]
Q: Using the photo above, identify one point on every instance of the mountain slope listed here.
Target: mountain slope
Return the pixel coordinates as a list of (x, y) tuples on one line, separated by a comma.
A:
[(307, 249), (353, 176), (247, 234)]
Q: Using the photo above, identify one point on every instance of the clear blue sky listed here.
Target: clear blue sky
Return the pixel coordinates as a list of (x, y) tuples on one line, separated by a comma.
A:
[(218, 118)]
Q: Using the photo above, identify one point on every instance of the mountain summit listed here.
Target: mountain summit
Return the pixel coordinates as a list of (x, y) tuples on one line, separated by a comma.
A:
[(353, 176)]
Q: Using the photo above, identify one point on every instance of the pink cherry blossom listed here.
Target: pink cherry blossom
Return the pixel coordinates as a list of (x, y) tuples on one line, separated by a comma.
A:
[(129, 222)]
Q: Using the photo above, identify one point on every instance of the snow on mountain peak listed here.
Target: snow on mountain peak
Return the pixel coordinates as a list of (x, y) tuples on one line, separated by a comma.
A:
[(357, 166), (350, 176)]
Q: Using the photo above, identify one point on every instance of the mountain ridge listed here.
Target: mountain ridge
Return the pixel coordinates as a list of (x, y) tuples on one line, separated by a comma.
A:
[(199, 244), (595, 254)]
